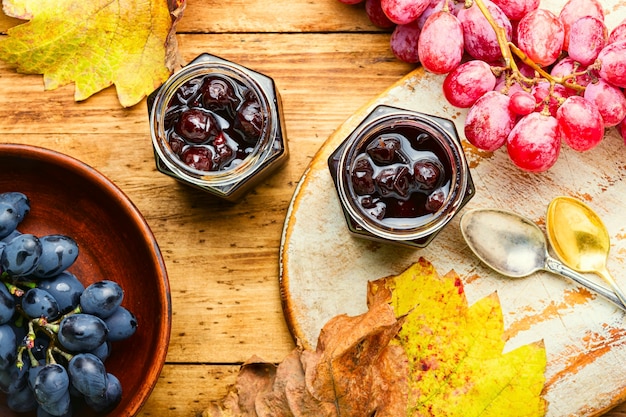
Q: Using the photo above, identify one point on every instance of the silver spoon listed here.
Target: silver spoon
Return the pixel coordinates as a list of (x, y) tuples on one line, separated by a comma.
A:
[(516, 247)]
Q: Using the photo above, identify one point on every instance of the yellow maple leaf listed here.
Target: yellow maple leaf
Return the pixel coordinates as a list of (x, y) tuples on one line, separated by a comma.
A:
[(456, 362), (93, 43)]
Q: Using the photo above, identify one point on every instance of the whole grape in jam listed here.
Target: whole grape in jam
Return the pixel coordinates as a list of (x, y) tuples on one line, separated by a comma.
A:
[(212, 123), (401, 174)]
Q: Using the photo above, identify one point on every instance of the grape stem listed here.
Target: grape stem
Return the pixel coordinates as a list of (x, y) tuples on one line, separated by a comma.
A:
[(67, 356), (14, 289), (508, 49)]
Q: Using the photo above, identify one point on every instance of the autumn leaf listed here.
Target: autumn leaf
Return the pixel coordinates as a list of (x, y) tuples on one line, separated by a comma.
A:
[(94, 44), (456, 362), (418, 351), (353, 372)]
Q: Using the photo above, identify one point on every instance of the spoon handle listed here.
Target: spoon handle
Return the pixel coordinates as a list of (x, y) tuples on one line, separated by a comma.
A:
[(608, 278), (557, 267)]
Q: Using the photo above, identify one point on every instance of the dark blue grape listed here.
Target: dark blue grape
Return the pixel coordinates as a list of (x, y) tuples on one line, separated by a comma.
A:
[(22, 401), (111, 397), (51, 384), (101, 298), (19, 377), (43, 413), (18, 200), (40, 347), (8, 346), (58, 252), (60, 407), (21, 255), (7, 304), (40, 303), (13, 378), (122, 324), (65, 288), (6, 379), (9, 219), (10, 237), (82, 332), (19, 328), (103, 351), (34, 372), (88, 374)]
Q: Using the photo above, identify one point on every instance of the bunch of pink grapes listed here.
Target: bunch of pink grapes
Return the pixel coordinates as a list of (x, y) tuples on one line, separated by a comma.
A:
[(530, 78)]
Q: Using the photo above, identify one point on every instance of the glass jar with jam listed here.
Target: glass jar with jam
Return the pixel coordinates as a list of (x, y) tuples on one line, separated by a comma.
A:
[(401, 176), (218, 126)]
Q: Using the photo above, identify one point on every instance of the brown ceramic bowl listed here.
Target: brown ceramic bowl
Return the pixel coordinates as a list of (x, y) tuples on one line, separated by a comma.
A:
[(115, 242)]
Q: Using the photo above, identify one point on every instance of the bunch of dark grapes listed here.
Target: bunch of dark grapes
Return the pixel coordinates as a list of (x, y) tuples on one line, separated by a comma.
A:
[(55, 334), (531, 78)]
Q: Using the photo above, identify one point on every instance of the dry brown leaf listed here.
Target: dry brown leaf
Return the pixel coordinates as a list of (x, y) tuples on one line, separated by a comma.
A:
[(353, 372)]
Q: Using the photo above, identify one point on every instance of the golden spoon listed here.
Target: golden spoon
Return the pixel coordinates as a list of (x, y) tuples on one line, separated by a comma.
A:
[(580, 239), (515, 247)]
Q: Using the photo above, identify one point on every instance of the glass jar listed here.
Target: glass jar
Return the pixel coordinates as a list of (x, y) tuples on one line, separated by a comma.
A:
[(217, 126), (401, 176)]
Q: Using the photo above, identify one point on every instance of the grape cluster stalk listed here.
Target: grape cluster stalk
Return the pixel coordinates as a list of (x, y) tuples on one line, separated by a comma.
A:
[(55, 333), (531, 79)]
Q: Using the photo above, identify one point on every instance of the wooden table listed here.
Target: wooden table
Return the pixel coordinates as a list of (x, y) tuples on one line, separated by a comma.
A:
[(327, 61)]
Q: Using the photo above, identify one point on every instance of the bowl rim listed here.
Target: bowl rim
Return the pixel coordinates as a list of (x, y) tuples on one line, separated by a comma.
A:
[(80, 168)]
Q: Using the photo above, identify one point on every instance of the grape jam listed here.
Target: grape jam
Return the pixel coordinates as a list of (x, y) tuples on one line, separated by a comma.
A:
[(213, 122), (401, 176), (401, 173), (218, 126)]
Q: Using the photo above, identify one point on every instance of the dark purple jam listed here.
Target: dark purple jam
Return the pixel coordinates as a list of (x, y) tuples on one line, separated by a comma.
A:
[(213, 122), (400, 173)]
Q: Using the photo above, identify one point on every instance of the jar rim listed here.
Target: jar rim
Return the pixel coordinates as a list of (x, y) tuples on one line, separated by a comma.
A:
[(385, 117)]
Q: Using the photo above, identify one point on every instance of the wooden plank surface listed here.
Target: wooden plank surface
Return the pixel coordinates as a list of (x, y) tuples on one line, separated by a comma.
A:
[(222, 259)]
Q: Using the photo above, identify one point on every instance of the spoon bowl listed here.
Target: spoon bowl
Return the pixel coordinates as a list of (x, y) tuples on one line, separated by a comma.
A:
[(509, 244), (580, 239), (516, 247)]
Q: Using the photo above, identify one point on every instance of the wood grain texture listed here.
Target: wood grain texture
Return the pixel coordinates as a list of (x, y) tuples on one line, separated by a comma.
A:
[(327, 61)]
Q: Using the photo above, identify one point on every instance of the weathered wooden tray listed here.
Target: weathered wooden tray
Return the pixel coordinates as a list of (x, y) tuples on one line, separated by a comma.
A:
[(324, 270)]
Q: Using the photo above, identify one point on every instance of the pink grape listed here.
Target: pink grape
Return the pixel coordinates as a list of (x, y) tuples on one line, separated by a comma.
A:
[(534, 143), (516, 9), (522, 103), (567, 66), (489, 121), (526, 70), (549, 98), (540, 35), (436, 6), (613, 64), (574, 10), (609, 99), (621, 129), (402, 12), (441, 54), (581, 123), (587, 36), (468, 82), (404, 41), (376, 15), (618, 33), (479, 37), (504, 87)]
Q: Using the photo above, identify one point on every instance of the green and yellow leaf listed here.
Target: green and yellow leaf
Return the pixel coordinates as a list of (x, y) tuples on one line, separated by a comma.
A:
[(93, 44)]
